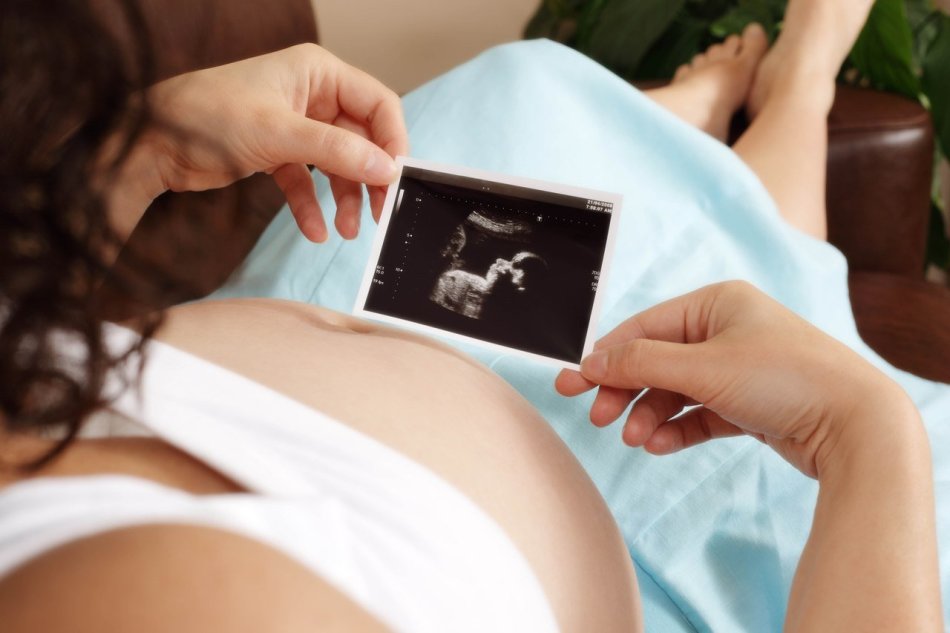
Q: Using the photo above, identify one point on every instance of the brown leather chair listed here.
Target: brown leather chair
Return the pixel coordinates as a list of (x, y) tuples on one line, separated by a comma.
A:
[(880, 164), (881, 148)]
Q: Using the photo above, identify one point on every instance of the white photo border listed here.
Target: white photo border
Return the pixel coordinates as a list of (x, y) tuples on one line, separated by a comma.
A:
[(591, 194)]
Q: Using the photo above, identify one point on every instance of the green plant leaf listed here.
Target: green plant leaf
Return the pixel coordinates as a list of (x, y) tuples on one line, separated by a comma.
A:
[(938, 244), (555, 19), (587, 22), (708, 10), (618, 33), (921, 17), (884, 50), (542, 24), (936, 81), (732, 22), (746, 11), (685, 37), (917, 12)]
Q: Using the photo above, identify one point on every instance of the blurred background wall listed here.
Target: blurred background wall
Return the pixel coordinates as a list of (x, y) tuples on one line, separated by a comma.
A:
[(408, 42)]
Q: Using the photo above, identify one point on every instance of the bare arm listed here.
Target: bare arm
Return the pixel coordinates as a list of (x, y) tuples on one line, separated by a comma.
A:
[(870, 563)]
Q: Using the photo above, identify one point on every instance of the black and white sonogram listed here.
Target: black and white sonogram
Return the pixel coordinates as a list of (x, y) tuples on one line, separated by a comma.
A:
[(503, 261)]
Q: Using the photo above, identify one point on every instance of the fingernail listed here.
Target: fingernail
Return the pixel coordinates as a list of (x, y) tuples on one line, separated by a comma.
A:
[(315, 231), (594, 366), (660, 445), (352, 229), (380, 168)]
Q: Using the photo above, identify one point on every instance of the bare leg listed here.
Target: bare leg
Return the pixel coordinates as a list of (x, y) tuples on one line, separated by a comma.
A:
[(708, 91), (787, 143)]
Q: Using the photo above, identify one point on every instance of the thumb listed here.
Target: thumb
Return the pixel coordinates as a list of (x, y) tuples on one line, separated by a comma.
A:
[(642, 363), (336, 151)]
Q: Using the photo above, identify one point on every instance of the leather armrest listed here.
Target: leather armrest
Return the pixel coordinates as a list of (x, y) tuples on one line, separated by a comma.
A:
[(906, 321), (880, 169)]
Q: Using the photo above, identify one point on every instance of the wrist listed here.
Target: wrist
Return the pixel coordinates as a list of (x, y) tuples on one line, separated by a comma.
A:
[(880, 430), (138, 181)]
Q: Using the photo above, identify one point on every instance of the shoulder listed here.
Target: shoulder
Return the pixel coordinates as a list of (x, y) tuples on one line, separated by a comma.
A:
[(172, 578)]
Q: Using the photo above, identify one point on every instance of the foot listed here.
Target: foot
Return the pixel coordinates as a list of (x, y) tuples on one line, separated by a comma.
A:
[(817, 36), (710, 89)]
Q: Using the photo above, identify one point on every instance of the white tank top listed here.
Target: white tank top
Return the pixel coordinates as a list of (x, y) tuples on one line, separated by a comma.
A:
[(399, 541)]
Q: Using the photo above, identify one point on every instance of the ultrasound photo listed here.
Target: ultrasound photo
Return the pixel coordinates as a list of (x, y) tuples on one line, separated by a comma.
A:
[(491, 258)]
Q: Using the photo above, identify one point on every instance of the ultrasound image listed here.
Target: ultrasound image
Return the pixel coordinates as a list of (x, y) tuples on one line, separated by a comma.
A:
[(509, 265)]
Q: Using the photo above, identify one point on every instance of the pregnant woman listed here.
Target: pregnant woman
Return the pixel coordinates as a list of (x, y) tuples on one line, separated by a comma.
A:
[(273, 465)]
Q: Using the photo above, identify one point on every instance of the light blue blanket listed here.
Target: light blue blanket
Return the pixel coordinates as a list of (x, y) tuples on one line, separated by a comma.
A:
[(715, 531)]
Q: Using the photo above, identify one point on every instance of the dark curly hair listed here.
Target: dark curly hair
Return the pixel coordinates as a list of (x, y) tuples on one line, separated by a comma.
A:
[(72, 74)]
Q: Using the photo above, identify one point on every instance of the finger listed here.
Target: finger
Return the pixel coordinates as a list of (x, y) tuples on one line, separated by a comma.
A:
[(691, 318), (295, 181), (645, 362), (682, 319), (651, 411), (731, 45), (698, 426), (333, 150), (367, 100), (609, 404), (571, 383), (377, 197), (349, 204)]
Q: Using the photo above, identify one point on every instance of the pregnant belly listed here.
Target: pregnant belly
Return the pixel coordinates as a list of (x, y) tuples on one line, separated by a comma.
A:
[(448, 413)]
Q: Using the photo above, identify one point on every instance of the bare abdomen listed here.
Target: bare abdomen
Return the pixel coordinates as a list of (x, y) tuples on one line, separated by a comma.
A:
[(448, 413)]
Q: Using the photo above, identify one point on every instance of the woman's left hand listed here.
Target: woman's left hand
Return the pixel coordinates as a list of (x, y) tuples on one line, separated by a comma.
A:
[(276, 114)]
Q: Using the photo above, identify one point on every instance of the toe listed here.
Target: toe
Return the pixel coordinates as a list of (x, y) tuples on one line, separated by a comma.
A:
[(731, 46), (754, 41), (715, 52), (699, 60), (681, 72)]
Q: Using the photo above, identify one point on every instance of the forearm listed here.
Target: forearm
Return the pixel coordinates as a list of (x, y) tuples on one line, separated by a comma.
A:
[(870, 563)]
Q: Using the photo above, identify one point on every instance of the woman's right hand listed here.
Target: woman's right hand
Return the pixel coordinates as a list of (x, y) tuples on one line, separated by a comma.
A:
[(275, 114), (753, 366)]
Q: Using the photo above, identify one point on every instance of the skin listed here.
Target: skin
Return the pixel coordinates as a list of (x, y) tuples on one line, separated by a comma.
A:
[(240, 585), (756, 369)]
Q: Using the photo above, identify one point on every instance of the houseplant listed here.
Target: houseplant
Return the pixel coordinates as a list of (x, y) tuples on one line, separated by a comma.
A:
[(904, 48)]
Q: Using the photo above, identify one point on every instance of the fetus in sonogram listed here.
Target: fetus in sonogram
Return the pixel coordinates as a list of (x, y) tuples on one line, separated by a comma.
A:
[(474, 293)]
